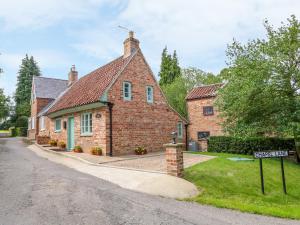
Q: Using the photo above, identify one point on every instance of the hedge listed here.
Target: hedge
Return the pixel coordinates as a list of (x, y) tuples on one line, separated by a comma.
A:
[(248, 145)]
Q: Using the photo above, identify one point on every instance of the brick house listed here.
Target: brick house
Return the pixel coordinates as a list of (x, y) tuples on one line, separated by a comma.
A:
[(203, 116), (43, 92), (118, 107)]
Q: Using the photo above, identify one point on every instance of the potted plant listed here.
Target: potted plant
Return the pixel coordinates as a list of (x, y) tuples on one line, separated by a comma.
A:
[(61, 145), (53, 143), (77, 149), (96, 151), (140, 151)]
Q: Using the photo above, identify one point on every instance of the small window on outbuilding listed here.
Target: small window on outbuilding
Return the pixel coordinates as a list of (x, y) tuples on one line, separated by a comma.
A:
[(127, 91), (42, 123), (203, 135), (208, 110)]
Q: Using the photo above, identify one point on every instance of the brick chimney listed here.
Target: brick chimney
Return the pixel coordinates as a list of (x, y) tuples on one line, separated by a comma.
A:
[(73, 76), (130, 45)]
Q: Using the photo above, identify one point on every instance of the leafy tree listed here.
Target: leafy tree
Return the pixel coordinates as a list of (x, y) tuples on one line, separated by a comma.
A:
[(175, 94), (4, 105), (262, 94), (169, 68), (195, 77), (28, 69)]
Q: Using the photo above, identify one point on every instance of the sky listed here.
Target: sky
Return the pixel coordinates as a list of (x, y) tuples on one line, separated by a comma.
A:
[(60, 33)]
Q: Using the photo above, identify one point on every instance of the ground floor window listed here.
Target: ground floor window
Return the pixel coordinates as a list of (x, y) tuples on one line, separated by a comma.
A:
[(42, 123), (58, 125), (179, 129), (86, 123), (203, 135)]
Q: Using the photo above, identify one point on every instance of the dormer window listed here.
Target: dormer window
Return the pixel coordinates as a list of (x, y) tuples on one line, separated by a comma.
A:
[(127, 91)]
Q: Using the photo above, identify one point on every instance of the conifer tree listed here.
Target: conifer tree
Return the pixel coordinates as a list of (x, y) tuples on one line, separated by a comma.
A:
[(28, 69)]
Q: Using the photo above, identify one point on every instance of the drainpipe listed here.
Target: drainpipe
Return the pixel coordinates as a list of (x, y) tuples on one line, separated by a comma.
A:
[(186, 137), (110, 106)]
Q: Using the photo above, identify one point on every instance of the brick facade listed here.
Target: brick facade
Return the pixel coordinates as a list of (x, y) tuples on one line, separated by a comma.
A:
[(36, 106), (99, 130), (201, 123), (137, 122)]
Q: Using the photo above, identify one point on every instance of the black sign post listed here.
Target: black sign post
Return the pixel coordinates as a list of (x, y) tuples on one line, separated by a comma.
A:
[(271, 154), (261, 176)]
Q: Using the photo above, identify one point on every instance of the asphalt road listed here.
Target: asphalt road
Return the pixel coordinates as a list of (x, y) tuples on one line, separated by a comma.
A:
[(35, 191)]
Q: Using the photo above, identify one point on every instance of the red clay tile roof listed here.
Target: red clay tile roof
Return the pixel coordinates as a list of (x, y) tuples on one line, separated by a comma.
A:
[(206, 91), (90, 88)]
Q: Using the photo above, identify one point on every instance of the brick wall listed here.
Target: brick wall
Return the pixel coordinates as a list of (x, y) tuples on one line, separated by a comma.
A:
[(37, 105), (199, 122), (136, 122), (99, 134)]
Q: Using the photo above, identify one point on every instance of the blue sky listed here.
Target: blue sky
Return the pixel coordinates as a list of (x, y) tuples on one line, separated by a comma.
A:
[(59, 33)]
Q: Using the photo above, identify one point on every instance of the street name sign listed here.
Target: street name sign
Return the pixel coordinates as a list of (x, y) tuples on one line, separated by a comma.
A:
[(270, 154)]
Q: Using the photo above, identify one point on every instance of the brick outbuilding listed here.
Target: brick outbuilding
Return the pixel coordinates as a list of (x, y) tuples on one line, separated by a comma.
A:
[(204, 120), (117, 107)]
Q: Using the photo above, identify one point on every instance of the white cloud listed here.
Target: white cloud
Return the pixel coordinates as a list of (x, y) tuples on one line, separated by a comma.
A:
[(41, 13)]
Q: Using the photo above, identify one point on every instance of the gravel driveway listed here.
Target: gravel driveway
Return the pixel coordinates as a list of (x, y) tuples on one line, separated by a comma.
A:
[(157, 162)]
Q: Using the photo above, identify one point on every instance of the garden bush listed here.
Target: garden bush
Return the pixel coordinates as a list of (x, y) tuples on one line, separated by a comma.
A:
[(96, 151), (248, 145)]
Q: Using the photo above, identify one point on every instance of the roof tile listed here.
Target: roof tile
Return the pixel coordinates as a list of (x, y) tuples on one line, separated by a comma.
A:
[(90, 88), (206, 91)]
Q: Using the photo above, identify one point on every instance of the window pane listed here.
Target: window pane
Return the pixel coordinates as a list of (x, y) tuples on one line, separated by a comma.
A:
[(91, 117)]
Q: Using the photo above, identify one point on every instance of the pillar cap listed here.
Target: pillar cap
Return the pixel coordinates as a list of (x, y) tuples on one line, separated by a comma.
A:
[(174, 145)]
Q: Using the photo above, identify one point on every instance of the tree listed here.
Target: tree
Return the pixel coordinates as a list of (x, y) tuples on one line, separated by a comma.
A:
[(169, 68), (4, 105), (195, 77), (175, 94), (28, 69), (262, 94)]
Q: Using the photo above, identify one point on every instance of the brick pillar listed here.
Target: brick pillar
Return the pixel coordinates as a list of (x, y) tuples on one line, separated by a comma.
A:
[(174, 158)]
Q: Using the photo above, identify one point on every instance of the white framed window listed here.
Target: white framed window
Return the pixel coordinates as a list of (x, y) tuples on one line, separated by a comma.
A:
[(127, 91), (57, 125), (33, 122), (42, 123), (86, 123), (179, 129), (149, 92), (29, 123)]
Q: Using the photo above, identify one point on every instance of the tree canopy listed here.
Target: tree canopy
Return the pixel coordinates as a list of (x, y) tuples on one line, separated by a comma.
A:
[(4, 105), (261, 95), (28, 69), (169, 68)]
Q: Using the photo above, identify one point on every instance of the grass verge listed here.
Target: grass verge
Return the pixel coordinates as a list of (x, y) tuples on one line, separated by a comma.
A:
[(236, 185)]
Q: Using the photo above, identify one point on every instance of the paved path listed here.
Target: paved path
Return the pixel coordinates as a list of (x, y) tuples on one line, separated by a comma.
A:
[(35, 191)]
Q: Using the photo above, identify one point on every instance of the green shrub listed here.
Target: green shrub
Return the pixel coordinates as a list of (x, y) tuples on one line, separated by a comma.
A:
[(13, 131), (61, 144), (53, 143), (140, 151), (96, 151), (77, 149), (21, 131), (22, 121), (248, 145)]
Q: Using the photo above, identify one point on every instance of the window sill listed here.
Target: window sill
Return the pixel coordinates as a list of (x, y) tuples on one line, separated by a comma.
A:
[(57, 131), (86, 135)]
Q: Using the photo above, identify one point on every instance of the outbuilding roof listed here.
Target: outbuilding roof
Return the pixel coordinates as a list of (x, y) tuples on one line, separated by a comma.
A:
[(45, 87), (205, 91)]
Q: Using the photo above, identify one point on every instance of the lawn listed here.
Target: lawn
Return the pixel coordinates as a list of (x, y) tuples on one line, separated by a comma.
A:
[(4, 131), (236, 185)]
